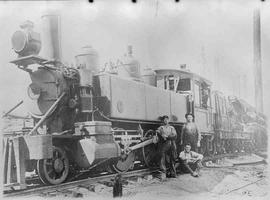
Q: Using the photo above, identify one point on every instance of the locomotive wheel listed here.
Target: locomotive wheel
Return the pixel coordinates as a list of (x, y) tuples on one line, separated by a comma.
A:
[(150, 152), (54, 170), (124, 163)]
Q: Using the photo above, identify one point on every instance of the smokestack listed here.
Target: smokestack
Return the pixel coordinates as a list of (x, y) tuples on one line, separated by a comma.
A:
[(51, 36), (257, 60)]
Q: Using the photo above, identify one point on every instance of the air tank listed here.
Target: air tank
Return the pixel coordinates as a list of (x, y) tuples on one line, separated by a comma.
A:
[(87, 64), (129, 66), (149, 77)]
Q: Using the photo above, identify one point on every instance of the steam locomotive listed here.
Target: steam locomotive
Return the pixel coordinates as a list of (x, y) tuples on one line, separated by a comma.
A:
[(87, 118)]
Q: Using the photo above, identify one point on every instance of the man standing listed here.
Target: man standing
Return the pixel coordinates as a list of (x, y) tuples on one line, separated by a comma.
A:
[(190, 133), (191, 161), (167, 135)]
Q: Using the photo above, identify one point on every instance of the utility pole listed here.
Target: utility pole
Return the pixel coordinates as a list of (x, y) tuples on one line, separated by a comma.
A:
[(257, 60), (217, 72), (239, 86), (244, 92)]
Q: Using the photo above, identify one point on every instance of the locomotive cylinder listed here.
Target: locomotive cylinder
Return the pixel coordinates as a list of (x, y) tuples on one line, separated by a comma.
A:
[(51, 36)]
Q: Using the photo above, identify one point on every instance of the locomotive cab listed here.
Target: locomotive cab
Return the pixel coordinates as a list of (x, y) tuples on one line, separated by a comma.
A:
[(198, 92), (174, 80), (185, 82)]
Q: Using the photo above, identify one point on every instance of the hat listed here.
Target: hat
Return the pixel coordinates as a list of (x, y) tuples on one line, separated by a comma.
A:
[(165, 116), (186, 115)]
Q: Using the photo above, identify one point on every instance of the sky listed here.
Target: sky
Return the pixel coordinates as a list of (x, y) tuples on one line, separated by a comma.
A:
[(214, 38)]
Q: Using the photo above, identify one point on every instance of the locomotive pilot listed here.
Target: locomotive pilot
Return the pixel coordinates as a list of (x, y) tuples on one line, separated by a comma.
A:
[(167, 135), (190, 133)]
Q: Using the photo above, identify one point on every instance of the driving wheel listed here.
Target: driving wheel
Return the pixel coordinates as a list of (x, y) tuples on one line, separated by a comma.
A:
[(54, 170)]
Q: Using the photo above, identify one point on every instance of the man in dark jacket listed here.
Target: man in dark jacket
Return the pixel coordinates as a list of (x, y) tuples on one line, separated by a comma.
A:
[(167, 135)]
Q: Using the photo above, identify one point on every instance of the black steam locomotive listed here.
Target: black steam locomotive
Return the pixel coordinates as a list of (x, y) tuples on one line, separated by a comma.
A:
[(87, 118)]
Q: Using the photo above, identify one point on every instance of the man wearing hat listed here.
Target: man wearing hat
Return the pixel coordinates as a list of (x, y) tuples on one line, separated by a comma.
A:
[(167, 135), (190, 133)]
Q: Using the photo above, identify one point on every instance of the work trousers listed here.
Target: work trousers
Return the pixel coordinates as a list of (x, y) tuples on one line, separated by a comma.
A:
[(190, 167), (168, 155)]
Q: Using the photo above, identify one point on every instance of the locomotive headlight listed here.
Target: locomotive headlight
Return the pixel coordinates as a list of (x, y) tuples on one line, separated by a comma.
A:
[(34, 91), (19, 41), (26, 42)]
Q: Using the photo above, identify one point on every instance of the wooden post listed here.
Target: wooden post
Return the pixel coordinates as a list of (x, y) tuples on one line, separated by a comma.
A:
[(9, 162), (14, 163), (19, 151), (5, 158)]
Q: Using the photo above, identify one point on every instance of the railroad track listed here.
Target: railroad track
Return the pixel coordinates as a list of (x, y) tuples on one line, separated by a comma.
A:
[(244, 186), (220, 156), (36, 190), (74, 184)]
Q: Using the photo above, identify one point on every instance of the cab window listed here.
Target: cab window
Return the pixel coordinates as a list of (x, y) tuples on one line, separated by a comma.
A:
[(169, 82), (184, 85), (197, 94), (166, 82), (160, 82), (202, 94)]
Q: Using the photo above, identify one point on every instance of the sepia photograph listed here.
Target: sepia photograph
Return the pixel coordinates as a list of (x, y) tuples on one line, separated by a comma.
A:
[(135, 99)]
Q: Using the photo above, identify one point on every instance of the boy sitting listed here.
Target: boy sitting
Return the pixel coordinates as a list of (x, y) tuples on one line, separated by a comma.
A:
[(191, 161)]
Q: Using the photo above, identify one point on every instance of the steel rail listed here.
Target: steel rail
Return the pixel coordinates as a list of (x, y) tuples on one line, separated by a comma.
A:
[(73, 184), (92, 180), (243, 186), (219, 156)]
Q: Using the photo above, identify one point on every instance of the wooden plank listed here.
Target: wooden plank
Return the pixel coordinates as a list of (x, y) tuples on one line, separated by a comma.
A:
[(19, 149), (9, 162), (11, 172), (5, 156)]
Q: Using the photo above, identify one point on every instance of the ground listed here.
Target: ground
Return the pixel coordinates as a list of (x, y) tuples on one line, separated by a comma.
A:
[(213, 184), (235, 182)]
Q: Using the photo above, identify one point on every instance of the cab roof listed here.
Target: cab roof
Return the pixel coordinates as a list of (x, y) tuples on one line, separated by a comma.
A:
[(184, 73)]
